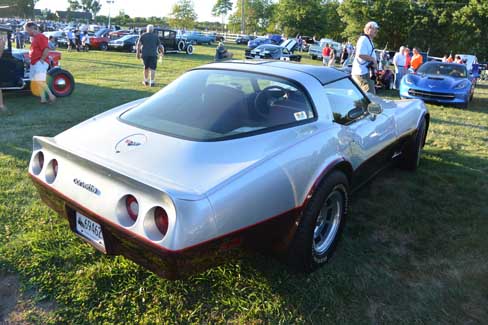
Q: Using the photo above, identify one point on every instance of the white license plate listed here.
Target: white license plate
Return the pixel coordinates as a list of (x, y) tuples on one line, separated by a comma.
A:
[(90, 230)]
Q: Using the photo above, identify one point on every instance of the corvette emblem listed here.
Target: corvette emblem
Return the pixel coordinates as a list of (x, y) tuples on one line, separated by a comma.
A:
[(130, 143), (86, 186), (431, 86)]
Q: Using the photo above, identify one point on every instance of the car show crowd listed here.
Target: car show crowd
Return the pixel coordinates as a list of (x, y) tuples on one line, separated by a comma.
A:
[(368, 66)]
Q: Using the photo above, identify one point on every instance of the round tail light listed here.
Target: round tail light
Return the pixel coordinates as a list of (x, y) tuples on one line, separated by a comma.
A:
[(52, 171), (55, 168), (38, 163), (132, 207), (161, 220)]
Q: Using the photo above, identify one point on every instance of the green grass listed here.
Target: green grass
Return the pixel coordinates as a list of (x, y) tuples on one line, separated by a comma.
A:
[(415, 248)]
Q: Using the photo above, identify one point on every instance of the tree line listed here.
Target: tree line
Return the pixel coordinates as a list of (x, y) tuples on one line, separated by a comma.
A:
[(441, 26)]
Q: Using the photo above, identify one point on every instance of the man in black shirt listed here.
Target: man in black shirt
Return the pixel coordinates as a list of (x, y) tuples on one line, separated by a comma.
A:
[(147, 47)]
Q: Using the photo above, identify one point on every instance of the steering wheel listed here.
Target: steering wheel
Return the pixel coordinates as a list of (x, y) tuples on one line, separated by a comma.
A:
[(266, 98)]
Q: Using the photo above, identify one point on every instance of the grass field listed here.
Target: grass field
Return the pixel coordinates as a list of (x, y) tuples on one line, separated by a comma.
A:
[(415, 249)]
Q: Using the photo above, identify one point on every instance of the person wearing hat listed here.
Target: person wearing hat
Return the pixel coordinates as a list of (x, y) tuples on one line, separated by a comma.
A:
[(365, 58), (221, 52)]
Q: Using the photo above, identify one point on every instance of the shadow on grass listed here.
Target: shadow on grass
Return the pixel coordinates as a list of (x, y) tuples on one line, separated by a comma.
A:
[(406, 250), (27, 117), (404, 258)]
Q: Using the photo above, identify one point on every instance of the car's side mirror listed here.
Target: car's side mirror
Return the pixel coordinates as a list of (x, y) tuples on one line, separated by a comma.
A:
[(355, 113), (374, 109)]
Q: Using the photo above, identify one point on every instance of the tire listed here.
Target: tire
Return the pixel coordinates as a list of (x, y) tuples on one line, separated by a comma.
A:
[(321, 224), (61, 82), (189, 49), (181, 45), (413, 150), (103, 47), (314, 57)]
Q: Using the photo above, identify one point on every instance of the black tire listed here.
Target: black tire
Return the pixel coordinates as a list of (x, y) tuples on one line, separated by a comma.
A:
[(189, 49), (103, 47), (308, 251), (413, 150), (181, 45), (61, 82), (314, 57)]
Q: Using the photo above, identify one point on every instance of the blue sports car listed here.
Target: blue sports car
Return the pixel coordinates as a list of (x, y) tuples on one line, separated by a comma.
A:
[(438, 82)]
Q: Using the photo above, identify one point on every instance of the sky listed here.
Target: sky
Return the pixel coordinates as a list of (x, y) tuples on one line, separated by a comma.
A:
[(139, 8)]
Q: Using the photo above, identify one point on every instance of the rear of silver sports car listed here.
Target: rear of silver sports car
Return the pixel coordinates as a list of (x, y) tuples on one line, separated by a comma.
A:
[(122, 216)]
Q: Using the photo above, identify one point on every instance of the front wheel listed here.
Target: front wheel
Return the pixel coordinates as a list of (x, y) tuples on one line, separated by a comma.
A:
[(103, 46), (189, 49), (413, 149), (321, 225), (61, 82)]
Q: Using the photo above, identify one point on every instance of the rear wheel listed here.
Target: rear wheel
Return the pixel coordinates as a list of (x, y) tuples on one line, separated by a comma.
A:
[(321, 225), (181, 45), (61, 82), (103, 46)]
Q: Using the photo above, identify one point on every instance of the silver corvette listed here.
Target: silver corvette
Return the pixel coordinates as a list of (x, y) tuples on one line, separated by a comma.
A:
[(229, 155)]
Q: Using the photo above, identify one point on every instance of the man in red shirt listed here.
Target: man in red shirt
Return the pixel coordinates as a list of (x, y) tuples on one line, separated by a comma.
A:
[(38, 53)]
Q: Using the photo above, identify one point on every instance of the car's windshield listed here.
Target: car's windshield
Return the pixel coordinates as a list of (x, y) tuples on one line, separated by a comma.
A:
[(206, 105), (446, 69)]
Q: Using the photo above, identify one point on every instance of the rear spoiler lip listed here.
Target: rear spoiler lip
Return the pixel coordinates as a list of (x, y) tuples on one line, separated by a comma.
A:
[(111, 168)]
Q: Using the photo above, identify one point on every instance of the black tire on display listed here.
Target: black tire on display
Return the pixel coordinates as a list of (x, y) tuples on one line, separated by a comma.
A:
[(61, 82), (321, 224), (189, 49), (413, 150), (103, 46), (181, 45)]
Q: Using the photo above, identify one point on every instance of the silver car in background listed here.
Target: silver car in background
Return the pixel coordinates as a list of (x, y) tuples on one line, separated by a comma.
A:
[(229, 155)]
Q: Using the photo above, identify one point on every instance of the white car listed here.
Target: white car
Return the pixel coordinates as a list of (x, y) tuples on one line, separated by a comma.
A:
[(258, 153)]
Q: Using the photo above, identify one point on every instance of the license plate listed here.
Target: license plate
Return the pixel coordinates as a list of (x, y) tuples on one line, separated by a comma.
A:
[(90, 230)]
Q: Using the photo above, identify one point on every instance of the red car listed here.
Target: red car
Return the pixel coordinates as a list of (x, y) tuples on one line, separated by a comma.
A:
[(100, 40)]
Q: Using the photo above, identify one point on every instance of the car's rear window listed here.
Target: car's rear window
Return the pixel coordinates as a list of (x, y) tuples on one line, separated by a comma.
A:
[(207, 105)]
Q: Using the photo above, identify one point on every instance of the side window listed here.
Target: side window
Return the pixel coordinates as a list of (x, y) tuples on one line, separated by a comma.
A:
[(166, 34), (172, 35), (346, 100), (285, 51)]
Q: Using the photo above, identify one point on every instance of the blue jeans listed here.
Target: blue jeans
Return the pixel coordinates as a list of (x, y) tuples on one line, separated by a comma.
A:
[(398, 77)]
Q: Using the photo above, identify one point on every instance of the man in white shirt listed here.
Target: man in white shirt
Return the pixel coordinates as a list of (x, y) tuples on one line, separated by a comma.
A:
[(365, 58), (399, 61)]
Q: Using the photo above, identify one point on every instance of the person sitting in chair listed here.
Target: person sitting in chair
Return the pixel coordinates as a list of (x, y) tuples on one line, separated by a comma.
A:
[(221, 52)]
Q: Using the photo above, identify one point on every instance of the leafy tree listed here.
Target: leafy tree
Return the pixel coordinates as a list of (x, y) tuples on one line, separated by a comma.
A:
[(471, 24), (183, 14), (257, 16), (17, 8), (221, 8), (92, 6)]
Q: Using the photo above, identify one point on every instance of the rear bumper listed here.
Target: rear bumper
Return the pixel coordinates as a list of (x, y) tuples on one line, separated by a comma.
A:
[(118, 241), (275, 234)]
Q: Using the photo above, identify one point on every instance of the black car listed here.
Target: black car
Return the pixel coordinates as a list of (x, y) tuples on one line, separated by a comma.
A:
[(243, 39), (275, 52), (15, 69), (171, 43), (125, 43)]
